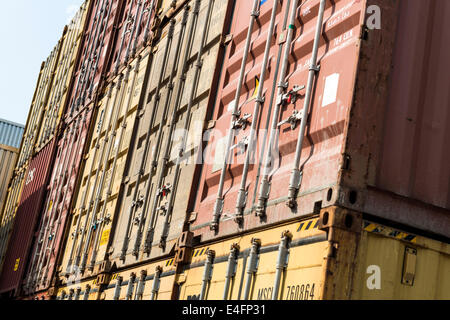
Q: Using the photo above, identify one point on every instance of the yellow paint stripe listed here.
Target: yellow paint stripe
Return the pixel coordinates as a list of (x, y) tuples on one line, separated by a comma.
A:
[(371, 227)]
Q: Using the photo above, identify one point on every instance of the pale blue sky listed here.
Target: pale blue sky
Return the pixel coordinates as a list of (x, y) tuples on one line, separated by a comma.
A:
[(29, 29)]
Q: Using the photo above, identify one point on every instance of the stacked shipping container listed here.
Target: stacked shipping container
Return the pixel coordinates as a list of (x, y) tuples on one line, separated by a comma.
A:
[(45, 123), (97, 47), (205, 157), (46, 235), (103, 170), (10, 139), (31, 133)]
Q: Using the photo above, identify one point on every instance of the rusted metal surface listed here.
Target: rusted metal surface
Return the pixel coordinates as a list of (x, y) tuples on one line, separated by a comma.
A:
[(357, 121), (415, 159), (142, 230), (25, 220)]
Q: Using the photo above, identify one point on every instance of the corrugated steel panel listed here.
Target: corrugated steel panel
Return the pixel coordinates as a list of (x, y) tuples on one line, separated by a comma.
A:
[(9, 210), (97, 47), (149, 165), (25, 220), (347, 148), (8, 157), (103, 174), (10, 133), (413, 158), (53, 109)]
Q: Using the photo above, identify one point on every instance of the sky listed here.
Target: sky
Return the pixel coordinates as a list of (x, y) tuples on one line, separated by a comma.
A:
[(29, 30)]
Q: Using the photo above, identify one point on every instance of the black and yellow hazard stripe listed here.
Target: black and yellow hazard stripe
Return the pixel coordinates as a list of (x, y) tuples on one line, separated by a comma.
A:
[(199, 252), (389, 232), (170, 262), (308, 225)]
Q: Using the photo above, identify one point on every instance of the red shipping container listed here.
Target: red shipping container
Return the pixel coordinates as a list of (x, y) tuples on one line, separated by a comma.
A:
[(374, 139), (26, 219)]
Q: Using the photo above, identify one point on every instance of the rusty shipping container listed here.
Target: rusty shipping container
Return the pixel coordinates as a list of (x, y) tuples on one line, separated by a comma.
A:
[(90, 71), (331, 256), (166, 139), (311, 112), (25, 221)]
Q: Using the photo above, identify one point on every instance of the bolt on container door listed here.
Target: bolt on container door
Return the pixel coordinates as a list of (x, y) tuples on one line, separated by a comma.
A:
[(74, 289), (251, 272), (70, 43), (26, 220), (97, 46), (156, 197), (103, 174)]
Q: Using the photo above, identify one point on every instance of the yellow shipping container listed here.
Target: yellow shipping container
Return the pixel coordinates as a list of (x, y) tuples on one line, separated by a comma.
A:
[(337, 255)]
